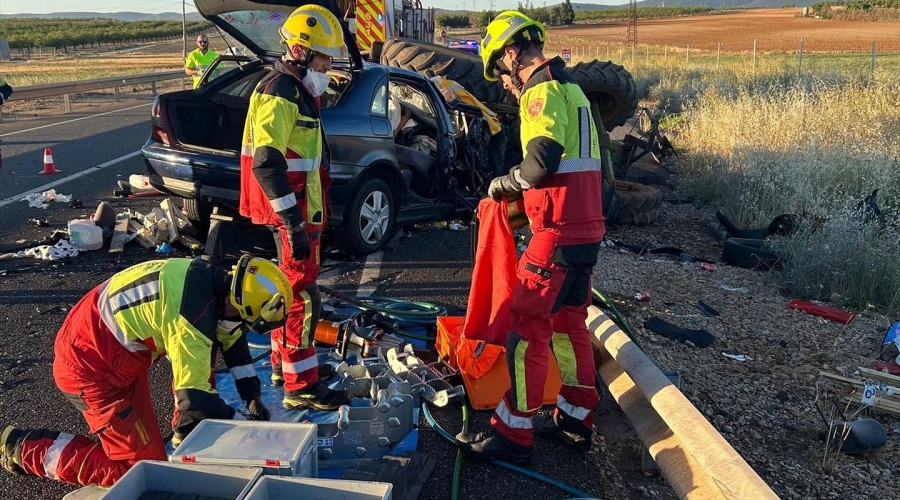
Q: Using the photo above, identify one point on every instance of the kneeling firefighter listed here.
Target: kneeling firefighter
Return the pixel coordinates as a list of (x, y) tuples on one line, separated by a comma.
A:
[(284, 186), (181, 308), (560, 181)]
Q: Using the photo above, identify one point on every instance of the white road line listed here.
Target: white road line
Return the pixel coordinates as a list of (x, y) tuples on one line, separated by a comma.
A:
[(371, 270), (87, 171), (73, 120)]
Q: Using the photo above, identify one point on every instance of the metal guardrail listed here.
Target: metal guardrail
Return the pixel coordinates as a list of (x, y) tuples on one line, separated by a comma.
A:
[(66, 89)]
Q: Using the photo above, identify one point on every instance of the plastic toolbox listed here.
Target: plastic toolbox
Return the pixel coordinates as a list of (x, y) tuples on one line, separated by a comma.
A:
[(485, 392), (278, 448), (164, 480), (283, 488)]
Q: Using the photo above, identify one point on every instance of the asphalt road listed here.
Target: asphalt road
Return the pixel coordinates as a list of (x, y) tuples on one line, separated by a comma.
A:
[(429, 265)]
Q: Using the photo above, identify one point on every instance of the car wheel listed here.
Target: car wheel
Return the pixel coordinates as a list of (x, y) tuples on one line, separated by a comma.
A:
[(198, 212), (370, 220)]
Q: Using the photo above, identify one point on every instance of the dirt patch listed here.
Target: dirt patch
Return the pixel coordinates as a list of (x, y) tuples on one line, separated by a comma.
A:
[(763, 407), (776, 30)]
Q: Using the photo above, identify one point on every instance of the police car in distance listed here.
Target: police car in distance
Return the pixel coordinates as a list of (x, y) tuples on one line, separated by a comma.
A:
[(470, 46)]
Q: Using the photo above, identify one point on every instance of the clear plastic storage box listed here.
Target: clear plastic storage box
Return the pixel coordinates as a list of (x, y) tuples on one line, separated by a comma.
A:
[(183, 480), (279, 448), (271, 488)]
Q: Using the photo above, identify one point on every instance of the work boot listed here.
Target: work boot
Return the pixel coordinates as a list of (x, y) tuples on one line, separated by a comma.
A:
[(10, 445), (547, 426), (491, 445), (317, 397), (326, 371)]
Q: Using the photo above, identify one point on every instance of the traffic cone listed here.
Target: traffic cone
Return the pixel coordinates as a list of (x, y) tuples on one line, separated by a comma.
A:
[(49, 168)]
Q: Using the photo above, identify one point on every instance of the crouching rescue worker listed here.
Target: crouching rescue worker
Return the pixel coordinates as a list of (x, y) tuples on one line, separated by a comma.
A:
[(560, 181), (284, 185), (180, 308)]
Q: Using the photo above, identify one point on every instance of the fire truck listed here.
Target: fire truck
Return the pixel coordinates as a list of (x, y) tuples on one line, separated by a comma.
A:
[(373, 21)]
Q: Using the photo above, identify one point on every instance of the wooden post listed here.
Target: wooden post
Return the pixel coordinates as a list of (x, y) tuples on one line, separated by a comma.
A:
[(67, 103), (687, 55), (873, 58), (153, 88), (718, 53), (648, 54), (666, 54), (800, 61), (754, 58), (116, 93)]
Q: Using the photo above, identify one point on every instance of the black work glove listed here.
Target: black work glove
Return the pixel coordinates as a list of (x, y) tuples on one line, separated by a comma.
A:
[(258, 411), (502, 186), (301, 248)]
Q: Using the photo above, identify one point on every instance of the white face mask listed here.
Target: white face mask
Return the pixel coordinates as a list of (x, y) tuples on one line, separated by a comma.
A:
[(316, 82)]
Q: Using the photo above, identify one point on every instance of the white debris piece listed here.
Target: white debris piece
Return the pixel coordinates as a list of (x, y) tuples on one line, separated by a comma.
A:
[(42, 200), (61, 250)]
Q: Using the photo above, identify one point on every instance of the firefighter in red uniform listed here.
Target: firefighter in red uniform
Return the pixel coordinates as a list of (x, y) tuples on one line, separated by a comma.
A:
[(560, 181), (284, 185), (180, 308)]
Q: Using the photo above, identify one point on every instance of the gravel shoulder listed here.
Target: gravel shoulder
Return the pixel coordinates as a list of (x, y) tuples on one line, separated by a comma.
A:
[(765, 406)]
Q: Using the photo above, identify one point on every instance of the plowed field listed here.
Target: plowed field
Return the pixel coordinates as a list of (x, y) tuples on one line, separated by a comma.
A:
[(776, 30)]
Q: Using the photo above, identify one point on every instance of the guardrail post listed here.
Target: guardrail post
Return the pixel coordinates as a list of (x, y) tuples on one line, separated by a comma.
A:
[(116, 93), (67, 103), (153, 88)]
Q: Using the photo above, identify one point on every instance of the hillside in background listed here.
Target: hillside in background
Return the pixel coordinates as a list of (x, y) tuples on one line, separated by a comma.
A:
[(118, 16)]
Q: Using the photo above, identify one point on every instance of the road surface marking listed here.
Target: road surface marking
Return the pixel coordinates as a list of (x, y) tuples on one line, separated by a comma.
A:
[(87, 171), (73, 120), (371, 270)]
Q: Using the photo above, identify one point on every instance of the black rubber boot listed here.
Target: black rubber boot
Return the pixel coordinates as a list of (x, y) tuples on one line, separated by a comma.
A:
[(492, 446), (10, 445), (318, 397), (573, 434)]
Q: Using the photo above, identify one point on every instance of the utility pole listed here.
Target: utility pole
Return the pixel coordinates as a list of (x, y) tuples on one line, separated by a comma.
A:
[(183, 31), (631, 38)]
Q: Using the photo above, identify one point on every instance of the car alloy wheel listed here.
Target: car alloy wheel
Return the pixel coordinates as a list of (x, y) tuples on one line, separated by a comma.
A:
[(374, 217)]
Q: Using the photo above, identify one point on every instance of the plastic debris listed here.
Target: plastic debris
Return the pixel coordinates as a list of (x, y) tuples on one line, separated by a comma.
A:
[(706, 309), (165, 248), (737, 357), (43, 200), (706, 266), (39, 222), (827, 312), (642, 296), (61, 250), (698, 338), (741, 289), (892, 333)]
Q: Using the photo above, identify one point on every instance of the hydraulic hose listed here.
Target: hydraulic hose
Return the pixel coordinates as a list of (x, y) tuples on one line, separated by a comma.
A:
[(506, 465), (457, 467), (603, 302), (392, 308)]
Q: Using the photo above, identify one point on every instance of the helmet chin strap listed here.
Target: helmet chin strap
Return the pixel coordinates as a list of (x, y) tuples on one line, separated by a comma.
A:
[(514, 74)]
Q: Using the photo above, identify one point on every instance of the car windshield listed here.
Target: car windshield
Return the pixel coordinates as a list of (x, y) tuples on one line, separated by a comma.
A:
[(260, 26)]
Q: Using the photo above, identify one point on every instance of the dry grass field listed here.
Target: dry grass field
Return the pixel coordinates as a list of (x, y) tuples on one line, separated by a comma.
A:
[(776, 30)]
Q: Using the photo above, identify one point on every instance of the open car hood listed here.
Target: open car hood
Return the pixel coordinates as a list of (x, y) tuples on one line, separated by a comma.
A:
[(255, 24)]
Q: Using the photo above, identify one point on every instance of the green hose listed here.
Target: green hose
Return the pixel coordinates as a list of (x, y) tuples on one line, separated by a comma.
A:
[(457, 467), (617, 318)]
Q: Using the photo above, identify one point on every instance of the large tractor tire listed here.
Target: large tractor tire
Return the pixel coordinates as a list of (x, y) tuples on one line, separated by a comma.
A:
[(608, 84), (638, 204)]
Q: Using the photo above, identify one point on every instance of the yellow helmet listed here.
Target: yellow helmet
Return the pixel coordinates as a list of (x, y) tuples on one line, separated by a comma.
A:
[(502, 32), (316, 28), (260, 292)]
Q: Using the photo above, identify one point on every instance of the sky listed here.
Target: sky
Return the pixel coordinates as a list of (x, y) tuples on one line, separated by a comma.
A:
[(157, 6)]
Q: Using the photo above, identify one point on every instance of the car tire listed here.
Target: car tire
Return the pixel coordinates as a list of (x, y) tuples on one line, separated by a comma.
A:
[(638, 204), (749, 254), (198, 212), (369, 221), (607, 83), (611, 206)]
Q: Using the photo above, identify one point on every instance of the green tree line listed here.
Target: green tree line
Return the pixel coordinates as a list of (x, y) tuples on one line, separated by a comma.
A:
[(65, 33), (563, 14)]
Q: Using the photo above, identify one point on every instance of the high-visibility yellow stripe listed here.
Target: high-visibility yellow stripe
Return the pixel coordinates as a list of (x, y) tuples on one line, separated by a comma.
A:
[(306, 339), (565, 358), (521, 389)]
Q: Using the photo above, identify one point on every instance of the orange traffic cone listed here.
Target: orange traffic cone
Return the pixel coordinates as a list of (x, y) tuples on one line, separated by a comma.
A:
[(49, 168)]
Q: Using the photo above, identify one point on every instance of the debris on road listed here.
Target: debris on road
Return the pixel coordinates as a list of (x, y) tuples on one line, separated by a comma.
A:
[(39, 222), (697, 338), (61, 250), (740, 289), (866, 387), (827, 312), (706, 309), (44, 199), (737, 357)]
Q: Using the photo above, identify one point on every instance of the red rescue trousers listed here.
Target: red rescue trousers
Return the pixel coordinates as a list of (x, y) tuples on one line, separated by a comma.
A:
[(293, 353), (548, 309), (109, 385)]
